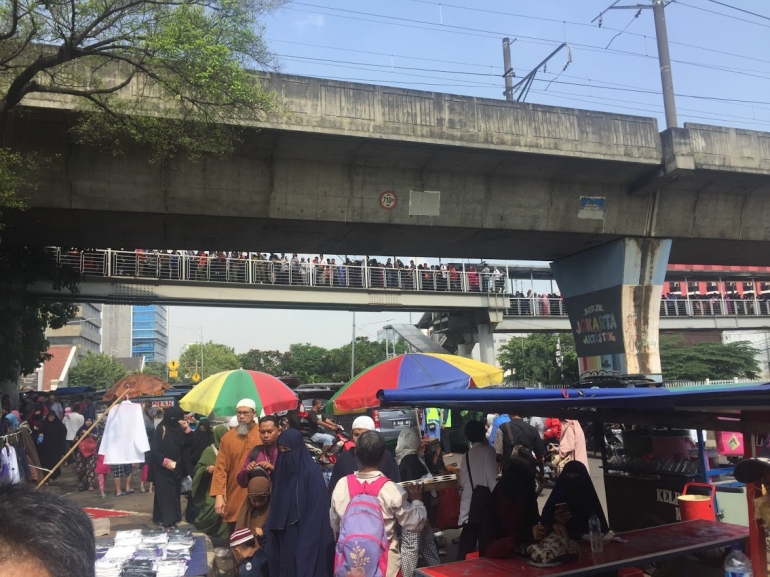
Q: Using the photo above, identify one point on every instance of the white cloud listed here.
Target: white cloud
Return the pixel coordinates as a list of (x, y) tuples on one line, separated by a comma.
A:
[(310, 21)]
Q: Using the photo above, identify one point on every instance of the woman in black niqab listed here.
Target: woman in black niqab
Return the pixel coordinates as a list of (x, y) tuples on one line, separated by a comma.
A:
[(53, 445), (202, 437), (171, 456), (574, 488), (300, 542)]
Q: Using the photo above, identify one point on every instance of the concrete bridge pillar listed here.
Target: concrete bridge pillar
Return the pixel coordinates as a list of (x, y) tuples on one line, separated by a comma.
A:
[(612, 296), (486, 343), (465, 350)]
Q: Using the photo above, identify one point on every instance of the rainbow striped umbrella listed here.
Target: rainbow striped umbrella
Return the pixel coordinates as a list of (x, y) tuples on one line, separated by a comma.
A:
[(220, 393), (412, 371)]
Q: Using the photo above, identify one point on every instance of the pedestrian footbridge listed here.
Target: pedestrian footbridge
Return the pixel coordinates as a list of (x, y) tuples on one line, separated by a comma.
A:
[(452, 300)]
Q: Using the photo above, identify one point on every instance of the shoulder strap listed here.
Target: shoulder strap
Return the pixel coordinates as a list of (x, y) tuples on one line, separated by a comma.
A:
[(468, 466), (356, 487)]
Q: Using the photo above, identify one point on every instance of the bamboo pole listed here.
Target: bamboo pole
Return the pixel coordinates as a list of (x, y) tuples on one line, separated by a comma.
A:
[(83, 436)]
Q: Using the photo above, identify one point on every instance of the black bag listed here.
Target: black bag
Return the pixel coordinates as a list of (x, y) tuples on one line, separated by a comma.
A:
[(481, 499), (191, 511)]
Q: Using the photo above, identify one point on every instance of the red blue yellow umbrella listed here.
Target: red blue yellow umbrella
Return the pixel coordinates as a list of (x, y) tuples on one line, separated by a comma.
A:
[(410, 372), (220, 393)]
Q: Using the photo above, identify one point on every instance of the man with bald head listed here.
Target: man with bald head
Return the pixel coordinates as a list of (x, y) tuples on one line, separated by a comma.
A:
[(346, 462), (233, 448)]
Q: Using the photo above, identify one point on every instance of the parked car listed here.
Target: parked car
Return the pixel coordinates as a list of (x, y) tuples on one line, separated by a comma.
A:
[(389, 422)]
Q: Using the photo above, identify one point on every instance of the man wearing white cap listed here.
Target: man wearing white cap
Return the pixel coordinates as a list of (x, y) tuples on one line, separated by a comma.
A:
[(233, 448), (346, 462)]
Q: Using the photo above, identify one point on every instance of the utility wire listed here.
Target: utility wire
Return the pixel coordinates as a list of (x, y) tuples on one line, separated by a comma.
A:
[(473, 64), (379, 67), (702, 9), (740, 9), (462, 30), (387, 54), (582, 98), (624, 29), (584, 24)]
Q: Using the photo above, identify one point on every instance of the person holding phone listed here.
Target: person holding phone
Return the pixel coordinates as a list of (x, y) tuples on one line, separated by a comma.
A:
[(572, 503), (170, 449)]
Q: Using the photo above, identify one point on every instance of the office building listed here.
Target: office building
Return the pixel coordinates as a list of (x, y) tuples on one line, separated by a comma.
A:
[(149, 332), (136, 331), (83, 331), (116, 330)]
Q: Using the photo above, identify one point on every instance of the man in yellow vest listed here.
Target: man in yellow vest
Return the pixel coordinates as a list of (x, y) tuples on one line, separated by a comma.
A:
[(446, 424), (433, 423)]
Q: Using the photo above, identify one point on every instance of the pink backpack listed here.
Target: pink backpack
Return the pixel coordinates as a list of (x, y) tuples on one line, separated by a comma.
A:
[(362, 545)]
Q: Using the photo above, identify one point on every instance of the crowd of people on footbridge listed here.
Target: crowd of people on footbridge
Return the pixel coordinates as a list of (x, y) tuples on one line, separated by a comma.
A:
[(264, 268), (369, 272)]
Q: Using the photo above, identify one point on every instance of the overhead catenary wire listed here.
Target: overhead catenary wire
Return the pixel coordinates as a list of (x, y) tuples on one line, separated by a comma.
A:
[(740, 9), (491, 67), (382, 67), (464, 30), (702, 9), (582, 24)]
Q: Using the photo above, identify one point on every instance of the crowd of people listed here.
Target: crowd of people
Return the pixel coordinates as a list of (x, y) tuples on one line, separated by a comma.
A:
[(256, 486), (284, 269)]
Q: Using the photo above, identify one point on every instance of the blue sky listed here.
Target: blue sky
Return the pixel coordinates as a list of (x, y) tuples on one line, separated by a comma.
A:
[(457, 47), (718, 60)]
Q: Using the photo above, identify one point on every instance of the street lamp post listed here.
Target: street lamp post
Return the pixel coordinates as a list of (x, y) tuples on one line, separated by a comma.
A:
[(199, 332)]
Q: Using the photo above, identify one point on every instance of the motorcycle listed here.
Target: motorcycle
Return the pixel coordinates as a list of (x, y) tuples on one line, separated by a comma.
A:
[(549, 470), (613, 439), (342, 443)]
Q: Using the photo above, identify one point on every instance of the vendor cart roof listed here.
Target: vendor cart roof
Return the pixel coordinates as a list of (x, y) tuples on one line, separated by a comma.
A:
[(715, 407)]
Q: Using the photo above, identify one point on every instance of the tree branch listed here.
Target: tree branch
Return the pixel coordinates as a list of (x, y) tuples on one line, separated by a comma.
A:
[(6, 59), (14, 21), (37, 87)]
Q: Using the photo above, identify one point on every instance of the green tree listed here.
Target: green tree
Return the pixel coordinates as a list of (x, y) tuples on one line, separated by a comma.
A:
[(533, 358), (707, 360), (368, 353), (160, 370), (312, 364), (216, 358), (175, 75), (98, 370), (25, 317), (271, 362)]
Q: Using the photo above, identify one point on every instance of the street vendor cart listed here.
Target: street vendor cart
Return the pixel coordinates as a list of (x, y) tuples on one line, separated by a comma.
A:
[(743, 409)]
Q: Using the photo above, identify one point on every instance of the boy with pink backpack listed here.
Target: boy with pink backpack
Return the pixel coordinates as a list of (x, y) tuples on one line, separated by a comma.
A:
[(365, 509)]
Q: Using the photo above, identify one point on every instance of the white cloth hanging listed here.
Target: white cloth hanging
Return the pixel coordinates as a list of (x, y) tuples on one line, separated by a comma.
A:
[(8, 458), (73, 422), (125, 440)]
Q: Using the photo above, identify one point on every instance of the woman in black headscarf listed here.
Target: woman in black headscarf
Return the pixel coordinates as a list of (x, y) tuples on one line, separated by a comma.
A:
[(515, 518), (575, 490), (202, 437), (53, 444), (171, 457), (300, 542)]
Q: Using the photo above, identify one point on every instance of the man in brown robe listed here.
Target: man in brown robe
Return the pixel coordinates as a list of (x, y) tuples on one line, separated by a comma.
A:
[(235, 445)]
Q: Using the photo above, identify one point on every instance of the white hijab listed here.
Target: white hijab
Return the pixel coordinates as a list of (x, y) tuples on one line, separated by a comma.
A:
[(408, 443)]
